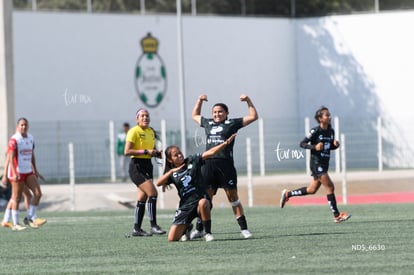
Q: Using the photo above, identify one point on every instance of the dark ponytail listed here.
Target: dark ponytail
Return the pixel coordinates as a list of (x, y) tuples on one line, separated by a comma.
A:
[(318, 113)]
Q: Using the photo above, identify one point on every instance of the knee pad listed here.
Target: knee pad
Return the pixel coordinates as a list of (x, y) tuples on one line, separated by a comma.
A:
[(235, 203)]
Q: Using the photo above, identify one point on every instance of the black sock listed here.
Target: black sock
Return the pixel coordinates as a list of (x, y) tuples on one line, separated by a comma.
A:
[(139, 214), (242, 222), (199, 225), (207, 226), (152, 210), (188, 228), (332, 204), (298, 192)]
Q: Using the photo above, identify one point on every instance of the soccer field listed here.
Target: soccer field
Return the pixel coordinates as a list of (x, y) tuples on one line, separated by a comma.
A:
[(294, 240)]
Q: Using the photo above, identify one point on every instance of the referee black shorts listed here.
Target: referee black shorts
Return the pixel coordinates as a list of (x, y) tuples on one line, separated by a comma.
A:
[(140, 170)]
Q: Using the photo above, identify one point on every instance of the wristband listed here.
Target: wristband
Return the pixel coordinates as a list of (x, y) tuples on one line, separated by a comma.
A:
[(146, 152)]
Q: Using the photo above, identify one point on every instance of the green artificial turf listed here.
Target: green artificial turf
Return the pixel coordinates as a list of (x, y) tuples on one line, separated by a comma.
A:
[(294, 240)]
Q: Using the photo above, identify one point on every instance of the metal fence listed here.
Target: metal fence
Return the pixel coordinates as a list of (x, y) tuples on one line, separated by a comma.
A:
[(280, 8), (277, 151)]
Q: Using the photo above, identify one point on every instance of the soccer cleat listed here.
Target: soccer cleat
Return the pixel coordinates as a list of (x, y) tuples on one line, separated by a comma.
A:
[(284, 198), (246, 234), (343, 216), (184, 238), (187, 234), (157, 230), (18, 227), (209, 237), (6, 224), (39, 221), (196, 234), (140, 233), (30, 223)]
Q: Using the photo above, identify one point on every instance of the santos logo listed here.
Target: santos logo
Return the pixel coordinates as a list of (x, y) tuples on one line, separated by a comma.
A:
[(150, 73)]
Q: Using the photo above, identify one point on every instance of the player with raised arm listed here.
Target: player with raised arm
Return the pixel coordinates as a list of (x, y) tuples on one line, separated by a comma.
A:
[(219, 171)]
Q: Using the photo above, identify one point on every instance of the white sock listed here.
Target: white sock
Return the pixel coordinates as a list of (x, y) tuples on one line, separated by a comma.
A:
[(29, 214), (7, 214), (33, 212), (15, 216)]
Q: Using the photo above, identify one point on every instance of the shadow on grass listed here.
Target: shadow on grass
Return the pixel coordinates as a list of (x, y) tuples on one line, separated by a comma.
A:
[(48, 204), (316, 234), (384, 221)]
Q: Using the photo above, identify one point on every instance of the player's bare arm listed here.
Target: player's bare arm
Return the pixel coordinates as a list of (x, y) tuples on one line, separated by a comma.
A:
[(209, 153), (162, 181), (196, 114), (252, 116)]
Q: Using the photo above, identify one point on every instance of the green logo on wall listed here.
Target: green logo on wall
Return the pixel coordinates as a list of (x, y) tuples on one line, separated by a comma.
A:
[(150, 73)]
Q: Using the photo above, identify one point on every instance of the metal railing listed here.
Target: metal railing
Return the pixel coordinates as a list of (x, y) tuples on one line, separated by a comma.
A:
[(276, 150)]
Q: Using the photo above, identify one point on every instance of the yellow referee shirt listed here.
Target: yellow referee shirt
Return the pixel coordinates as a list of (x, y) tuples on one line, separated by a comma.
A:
[(142, 139)]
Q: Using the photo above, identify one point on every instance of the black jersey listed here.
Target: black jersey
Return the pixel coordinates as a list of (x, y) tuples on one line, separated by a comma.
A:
[(188, 181), (316, 135), (217, 133)]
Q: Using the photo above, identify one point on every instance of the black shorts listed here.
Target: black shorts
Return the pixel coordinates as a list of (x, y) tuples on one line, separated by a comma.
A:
[(219, 173), (186, 214), (318, 169), (140, 170)]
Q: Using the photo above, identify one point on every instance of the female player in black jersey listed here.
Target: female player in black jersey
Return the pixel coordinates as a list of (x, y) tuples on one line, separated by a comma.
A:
[(185, 174), (219, 171), (320, 140), (140, 145)]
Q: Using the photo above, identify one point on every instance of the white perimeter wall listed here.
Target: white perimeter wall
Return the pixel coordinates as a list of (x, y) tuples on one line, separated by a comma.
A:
[(360, 66), (95, 56)]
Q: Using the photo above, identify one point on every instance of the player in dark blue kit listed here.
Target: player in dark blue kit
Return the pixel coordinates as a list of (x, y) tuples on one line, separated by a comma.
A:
[(185, 174), (320, 140), (219, 171)]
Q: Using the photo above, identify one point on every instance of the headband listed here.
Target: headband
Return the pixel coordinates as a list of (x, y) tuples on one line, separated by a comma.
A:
[(139, 111)]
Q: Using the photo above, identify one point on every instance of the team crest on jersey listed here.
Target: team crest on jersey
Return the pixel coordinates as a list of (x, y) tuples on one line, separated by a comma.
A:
[(150, 73)]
